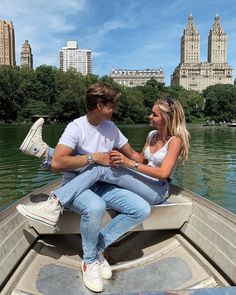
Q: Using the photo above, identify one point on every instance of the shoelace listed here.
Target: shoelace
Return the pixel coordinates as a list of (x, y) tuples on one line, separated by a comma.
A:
[(93, 271), (44, 205)]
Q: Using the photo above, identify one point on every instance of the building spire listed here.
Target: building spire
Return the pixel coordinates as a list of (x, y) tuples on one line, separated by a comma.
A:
[(216, 27), (26, 59)]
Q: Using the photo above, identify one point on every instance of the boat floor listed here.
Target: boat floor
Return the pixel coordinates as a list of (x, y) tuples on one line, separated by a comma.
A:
[(141, 262)]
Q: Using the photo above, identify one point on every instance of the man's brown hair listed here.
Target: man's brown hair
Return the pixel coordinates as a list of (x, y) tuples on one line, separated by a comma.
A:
[(101, 92)]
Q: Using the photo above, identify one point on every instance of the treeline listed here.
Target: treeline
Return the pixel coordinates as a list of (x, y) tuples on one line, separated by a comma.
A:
[(50, 91)]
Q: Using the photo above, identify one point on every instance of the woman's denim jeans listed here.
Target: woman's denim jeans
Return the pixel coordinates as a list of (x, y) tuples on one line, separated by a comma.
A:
[(152, 190)]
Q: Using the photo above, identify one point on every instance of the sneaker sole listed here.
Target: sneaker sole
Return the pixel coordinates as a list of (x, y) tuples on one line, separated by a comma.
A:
[(28, 215), (31, 134), (106, 276)]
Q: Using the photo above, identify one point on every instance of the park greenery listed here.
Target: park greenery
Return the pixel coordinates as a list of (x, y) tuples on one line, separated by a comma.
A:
[(60, 95)]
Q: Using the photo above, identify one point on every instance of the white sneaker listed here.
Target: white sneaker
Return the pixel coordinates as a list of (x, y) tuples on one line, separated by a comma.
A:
[(105, 269), (91, 276), (33, 144), (44, 212)]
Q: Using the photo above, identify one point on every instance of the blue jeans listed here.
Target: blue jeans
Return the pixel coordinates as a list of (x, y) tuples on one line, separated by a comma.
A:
[(92, 203), (152, 190)]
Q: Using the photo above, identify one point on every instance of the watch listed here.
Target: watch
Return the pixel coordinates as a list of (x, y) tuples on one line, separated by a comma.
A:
[(136, 165), (90, 159)]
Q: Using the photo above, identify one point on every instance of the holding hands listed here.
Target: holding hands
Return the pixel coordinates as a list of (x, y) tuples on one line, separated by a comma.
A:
[(118, 158)]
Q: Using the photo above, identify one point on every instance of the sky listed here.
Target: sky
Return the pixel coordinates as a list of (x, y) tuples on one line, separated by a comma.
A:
[(122, 34)]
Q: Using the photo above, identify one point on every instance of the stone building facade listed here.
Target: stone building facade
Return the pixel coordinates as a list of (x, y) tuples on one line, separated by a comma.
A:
[(7, 43), (132, 78), (195, 75), (26, 59)]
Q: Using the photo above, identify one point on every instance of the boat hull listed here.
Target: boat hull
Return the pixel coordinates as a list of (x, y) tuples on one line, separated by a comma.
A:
[(188, 242)]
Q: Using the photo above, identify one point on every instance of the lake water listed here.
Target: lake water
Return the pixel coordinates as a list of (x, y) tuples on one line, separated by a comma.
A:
[(210, 170)]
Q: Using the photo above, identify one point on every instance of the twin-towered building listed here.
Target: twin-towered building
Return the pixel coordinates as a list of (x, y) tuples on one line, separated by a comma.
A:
[(193, 74)]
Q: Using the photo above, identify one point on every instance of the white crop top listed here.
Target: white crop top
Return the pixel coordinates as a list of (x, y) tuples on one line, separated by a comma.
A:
[(156, 158)]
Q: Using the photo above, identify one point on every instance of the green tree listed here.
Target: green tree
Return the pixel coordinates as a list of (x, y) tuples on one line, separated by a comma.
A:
[(45, 83), (131, 108), (220, 102), (9, 99), (68, 107)]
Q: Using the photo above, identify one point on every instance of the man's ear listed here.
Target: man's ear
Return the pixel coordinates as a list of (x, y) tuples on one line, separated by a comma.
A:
[(99, 106)]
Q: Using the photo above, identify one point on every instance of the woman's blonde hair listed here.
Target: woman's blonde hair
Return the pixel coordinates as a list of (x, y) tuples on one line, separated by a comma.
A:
[(175, 125)]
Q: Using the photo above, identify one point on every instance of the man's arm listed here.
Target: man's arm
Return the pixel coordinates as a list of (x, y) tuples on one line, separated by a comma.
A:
[(130, 153), (64, 159)]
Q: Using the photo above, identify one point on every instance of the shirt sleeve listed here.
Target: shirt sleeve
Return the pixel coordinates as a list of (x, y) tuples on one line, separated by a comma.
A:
[(70, 136), (120, 139)]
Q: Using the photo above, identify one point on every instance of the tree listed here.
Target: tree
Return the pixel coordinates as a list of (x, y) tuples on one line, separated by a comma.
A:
[(220, 102), (9, 101), (68, 106)]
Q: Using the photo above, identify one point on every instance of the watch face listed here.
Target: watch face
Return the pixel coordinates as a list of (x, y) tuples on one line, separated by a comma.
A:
[(90, 159)]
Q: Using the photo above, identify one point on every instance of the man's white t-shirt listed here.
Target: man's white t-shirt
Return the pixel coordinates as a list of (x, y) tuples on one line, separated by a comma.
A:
[(85, 138)]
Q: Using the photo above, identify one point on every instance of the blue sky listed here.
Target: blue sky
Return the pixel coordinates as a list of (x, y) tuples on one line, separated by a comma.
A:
[(131, 34)]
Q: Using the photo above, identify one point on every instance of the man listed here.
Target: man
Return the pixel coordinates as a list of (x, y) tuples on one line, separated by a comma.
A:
[(91, 138)]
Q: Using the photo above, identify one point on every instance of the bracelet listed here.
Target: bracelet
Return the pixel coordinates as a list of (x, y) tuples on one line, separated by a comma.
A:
[(136, 165)]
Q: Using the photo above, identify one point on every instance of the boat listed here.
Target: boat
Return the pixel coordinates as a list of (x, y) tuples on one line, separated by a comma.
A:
[(233, 124), (187, 245)]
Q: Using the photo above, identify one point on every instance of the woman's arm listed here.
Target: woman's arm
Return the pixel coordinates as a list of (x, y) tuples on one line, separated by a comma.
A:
[(130, 153), (162, 172)]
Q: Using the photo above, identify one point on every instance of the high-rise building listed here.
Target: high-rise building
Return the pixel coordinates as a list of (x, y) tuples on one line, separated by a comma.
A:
[(190, 44), (71, 57), (26, 59), (132, 78), (195, 75), (217, 43), (7, 43)]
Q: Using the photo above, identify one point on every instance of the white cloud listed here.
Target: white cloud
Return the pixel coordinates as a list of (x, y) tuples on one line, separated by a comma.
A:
[(39, 22)]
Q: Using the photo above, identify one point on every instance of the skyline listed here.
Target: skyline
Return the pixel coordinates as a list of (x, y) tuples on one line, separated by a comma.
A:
[(135, 34)]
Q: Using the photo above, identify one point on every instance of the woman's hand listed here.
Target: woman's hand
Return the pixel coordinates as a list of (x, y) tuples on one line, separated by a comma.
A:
[(118, 158)]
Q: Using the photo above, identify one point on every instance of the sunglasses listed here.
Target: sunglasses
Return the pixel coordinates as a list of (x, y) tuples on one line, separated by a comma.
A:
[(170, 102)]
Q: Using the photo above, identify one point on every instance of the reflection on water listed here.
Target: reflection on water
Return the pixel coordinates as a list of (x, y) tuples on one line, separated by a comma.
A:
[(210, 170)]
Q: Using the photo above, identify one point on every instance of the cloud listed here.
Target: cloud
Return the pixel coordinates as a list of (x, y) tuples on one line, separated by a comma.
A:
[(41, 22)]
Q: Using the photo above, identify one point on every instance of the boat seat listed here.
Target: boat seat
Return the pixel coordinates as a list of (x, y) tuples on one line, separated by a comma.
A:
[(171, 214)]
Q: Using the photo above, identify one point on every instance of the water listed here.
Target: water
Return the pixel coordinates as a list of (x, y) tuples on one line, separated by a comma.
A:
[(210, 170)]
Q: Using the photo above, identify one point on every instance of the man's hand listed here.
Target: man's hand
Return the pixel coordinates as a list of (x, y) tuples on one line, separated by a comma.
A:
[(102, 159)]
